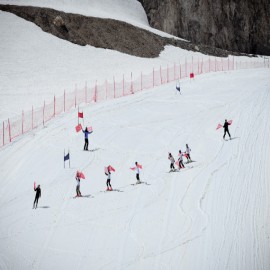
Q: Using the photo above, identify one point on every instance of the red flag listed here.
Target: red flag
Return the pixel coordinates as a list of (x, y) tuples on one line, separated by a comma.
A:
[(111, 169), (78, 128), (191, 75), (177, 163), (133, 169), (34, 185), (81, 175), (139, 166), (185, 155), (90, 129), (230, 122), (218, 126), (80, 114)]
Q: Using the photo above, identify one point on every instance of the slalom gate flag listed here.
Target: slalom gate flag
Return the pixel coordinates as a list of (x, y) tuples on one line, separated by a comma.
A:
[(191, 75), (177, 163), (106, 169), (230, 122), (111, 169), (81, 175), (66, 157), (218, 126), (133, 169), (90, 129), (34, 185), (139, 166), (185, 155), (78, 128), (80, 114)]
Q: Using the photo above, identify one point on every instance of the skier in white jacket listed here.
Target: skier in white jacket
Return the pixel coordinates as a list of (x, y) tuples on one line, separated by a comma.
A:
[(180, 160), (188, 154), (172, 160)]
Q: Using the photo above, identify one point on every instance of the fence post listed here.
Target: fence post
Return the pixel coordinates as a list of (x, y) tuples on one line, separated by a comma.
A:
[(131, 85), (221, 64), (22, 121), (167, 73), (9, 130), (96, 91), (202, 67), (186, 66)]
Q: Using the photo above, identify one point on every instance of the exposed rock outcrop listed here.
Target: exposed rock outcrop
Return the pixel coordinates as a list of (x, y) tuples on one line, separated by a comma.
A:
[(103, 33), (242, 26)]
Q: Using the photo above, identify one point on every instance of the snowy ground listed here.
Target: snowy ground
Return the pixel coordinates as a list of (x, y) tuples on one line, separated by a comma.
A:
[(36, 65), (212, 215), (216, 210)]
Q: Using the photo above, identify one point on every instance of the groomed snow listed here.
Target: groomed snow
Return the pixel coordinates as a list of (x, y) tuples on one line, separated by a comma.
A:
[(212, 215), (216, 210)]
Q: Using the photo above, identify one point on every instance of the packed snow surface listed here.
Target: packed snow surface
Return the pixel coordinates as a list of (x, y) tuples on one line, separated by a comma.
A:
[(215, 210), (214, 214)]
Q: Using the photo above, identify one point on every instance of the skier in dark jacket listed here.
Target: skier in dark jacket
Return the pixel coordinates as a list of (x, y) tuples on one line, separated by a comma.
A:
[(226, 129), (86, 133), (38, 195)]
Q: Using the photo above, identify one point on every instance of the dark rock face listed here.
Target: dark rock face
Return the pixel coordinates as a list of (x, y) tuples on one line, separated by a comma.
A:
[(242, 26), (104, 33)]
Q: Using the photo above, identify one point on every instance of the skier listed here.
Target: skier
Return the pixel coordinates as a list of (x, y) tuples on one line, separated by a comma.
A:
[(170, 157), (226, 129), (38, 195), (78, 179), (188, 154), (178, 88), (137, 173), (108, 183), (180, 160), (86, 133)]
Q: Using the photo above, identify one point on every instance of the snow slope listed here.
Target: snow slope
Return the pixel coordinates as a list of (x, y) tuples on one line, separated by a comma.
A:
[(35, 65), (125, 10), (212, 215), (216, 210)]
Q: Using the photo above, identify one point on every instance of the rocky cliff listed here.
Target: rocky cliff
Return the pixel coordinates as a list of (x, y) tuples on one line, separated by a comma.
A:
[(104, 33), (242, 26)]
